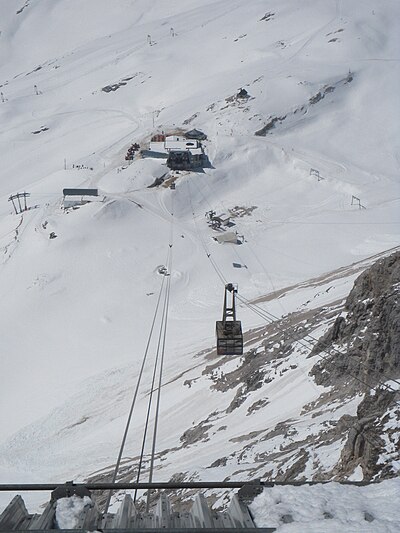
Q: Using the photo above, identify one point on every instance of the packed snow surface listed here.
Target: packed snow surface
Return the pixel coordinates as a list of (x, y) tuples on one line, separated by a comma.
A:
[(330, 508), (78, 287)]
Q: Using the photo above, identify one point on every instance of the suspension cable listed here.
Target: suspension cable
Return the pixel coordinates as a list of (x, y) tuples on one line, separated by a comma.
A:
[(152, 389), (159, 387), (203, 243), (149, 404), (163, 344), (117, 465), (115, 473), (158, 365)]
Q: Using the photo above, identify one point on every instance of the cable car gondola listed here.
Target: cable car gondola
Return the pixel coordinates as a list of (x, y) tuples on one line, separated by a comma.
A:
[(229, 330)]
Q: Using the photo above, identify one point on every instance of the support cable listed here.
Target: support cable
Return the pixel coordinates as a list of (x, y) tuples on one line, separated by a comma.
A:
[(141, 459), (160, 356), (157, 410), (117, 465), (203, 243), (165, 325)]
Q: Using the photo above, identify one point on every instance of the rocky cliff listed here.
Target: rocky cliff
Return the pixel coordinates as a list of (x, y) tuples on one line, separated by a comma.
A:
[(364, 356)]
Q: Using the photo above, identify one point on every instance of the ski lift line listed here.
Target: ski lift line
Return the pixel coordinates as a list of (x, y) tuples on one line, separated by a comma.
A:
[(160, 355), (128, 422), (156, 420), (141, 458), (267, 274), (161, 348), (205, 247), (250, 247), (203, 195), (162, 328), (152, 390), (269, 317)]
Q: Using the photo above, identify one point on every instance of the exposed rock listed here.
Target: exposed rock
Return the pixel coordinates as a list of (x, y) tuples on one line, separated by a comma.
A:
[(365, 444), (268, 16), (297, 467), (366, 342), (257, 405), (41, 130), (302, 109), (195, 434), (363, 352), (269, 126), (219, 462), (321, 94)]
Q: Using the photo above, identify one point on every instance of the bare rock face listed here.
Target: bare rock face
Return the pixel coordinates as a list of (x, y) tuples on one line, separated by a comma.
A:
[(363, 355), (364, 346)]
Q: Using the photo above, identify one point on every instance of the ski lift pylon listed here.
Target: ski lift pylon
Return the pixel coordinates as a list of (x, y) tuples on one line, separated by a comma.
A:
[(229, 330)]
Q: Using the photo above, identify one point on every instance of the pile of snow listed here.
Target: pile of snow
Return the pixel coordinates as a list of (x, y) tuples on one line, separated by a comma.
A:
[(69, 511), (330, 508)]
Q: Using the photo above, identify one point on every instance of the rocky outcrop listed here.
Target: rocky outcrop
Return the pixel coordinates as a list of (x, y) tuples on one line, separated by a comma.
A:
[(363, 347), (362, 354), (370, 444)]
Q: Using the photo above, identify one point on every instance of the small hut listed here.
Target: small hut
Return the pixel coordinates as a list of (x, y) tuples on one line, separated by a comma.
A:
[(77, 197), (243, 94)]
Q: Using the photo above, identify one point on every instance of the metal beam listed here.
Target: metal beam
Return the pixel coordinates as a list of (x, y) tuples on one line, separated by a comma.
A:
[(27, 487)]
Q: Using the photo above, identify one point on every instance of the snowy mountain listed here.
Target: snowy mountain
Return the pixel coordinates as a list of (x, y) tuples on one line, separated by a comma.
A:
[(306, 167)]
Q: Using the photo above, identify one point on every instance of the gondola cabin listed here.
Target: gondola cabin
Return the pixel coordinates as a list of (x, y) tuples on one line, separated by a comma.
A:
[(229, 330), (229, 338)]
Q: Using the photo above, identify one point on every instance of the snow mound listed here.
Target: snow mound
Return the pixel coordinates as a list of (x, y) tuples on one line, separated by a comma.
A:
[(69, 511), (330, 508)]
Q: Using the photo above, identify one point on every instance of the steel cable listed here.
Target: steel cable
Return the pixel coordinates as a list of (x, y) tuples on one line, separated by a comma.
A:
[(141, 458), (115, 473), (135, 396)]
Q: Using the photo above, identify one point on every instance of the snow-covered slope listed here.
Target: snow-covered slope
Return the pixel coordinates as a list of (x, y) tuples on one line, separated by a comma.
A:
[(76, 310)]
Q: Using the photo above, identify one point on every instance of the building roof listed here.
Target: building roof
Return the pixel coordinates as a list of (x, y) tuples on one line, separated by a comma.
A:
[(196, 134), (80, 192)]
